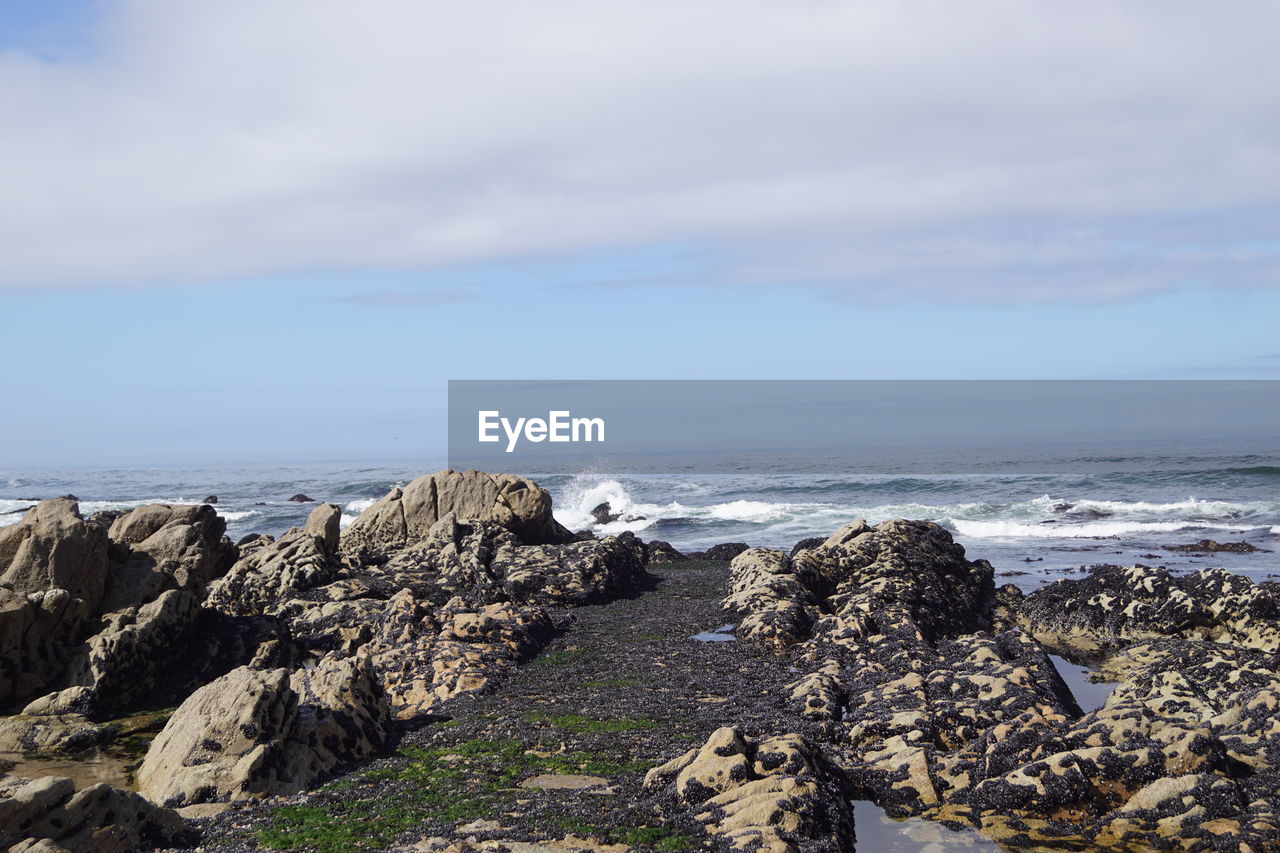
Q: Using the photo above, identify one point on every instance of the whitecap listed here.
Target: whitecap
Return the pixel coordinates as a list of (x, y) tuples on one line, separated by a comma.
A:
[(1087, 530), (360, 505)]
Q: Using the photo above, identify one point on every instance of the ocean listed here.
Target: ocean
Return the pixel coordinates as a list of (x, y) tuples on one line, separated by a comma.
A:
[(1037, 512)]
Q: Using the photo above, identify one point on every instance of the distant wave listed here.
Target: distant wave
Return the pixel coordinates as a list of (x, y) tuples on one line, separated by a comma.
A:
[(1044, 517), (353, 509), (1087, 530), (1255, 470)]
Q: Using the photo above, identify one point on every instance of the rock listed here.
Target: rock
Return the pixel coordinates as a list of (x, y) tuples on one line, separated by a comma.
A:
[(53, 548), (324, 523), (564, 782), (658, 551), (576, 573), (270, 573), (300, 498), (53, 576), (902, 577), (1008, 604), (37, 635), (166, 547), (211, 499), (725, 551), (483, 563), (1113, 605), (424, 656), (1210, 546), (404, 517), (807, 544), (255, 732), (766, 794), (603, 514), (45, 730), (225, 741), (103, 633), (120, 665), (49, 814), (929, 712)]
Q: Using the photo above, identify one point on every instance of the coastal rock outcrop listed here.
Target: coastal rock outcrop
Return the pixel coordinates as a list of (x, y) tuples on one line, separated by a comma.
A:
[(935, 704), (483, 562), (49, 814), (1114, 605), (424, 655), (405, 516), (254, 732), (760, 794), (161, 547), (906, 578), (270, 572), (1181, 756), (84, 605)]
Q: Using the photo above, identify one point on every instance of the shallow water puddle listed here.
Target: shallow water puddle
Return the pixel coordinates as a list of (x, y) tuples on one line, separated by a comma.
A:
[(877, 832), (1090, 695), (723, 634), (86, 768)]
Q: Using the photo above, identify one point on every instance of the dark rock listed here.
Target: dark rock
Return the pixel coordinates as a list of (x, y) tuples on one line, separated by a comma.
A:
[(805, 544), (1210, 546), (301, 499), (724, 551), (211, 499), (603, 514), (658, 551)]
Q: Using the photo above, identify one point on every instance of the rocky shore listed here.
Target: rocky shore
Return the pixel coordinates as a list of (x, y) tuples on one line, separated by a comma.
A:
[(456, 671)]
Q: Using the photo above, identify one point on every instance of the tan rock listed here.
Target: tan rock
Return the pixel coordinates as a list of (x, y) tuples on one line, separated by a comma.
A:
[(404, 516)]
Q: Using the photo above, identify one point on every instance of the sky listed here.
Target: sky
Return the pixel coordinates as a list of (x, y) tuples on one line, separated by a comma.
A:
[(272, 230)]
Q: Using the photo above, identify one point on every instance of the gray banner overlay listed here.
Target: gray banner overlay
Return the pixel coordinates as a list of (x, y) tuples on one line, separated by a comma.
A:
[(649, 425)]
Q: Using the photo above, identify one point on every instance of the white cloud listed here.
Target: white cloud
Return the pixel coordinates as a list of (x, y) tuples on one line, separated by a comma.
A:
[(983, 148)]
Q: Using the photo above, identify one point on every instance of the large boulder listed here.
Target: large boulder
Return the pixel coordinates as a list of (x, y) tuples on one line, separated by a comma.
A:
[(53, 575), (405, 516), (37, 635), (256, 732), (766, 794), (54, 548), (160, 547), (50, 814), (119, 599)]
